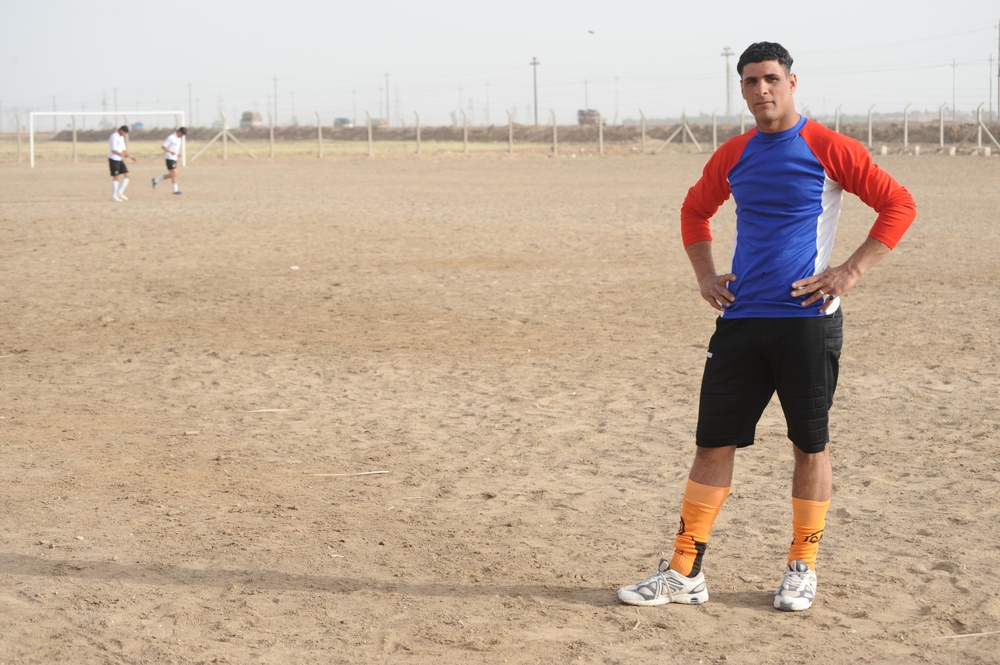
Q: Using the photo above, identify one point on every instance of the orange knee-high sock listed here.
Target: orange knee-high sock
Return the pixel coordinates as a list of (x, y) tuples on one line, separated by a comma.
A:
[(701, 506), (808, 522)]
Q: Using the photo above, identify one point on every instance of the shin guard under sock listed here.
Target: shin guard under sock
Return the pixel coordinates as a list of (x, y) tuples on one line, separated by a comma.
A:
[(808, 522), (701, 506)]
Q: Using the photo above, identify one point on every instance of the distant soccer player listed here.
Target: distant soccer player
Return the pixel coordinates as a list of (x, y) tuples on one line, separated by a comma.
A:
[(117, 154), (171, 148), (780, 327)]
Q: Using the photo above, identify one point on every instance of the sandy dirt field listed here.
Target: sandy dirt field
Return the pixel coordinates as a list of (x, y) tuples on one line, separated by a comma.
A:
[(437, 409)]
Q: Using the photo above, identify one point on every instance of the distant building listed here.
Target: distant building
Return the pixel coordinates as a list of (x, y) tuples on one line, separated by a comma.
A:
[(251, 119), (343, 122)]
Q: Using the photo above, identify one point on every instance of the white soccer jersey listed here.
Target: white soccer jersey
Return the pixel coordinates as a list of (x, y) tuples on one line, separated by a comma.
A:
[(116, 142), (172, 144)]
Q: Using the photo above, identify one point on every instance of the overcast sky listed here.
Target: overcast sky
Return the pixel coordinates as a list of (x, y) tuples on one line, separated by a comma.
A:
[(438, 58)]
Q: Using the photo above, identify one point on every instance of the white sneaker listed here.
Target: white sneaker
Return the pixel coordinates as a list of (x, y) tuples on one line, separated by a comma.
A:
[(798, 589), (116, 199), (122, 197), (666, 586)]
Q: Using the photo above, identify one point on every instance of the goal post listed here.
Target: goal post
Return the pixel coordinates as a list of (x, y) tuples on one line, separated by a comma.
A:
[(177, 115)]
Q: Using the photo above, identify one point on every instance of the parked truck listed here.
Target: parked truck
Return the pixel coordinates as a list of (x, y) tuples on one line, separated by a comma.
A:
[(588, 116)]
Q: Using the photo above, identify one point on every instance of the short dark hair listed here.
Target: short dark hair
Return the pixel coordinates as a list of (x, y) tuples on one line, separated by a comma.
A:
[(123, 128), (182, 130), (763, 52)]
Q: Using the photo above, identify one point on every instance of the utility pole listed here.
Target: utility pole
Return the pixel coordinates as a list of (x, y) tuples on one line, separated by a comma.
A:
[(534, 65), (954, 66), (726, 52), (616, 101), (387, 112)]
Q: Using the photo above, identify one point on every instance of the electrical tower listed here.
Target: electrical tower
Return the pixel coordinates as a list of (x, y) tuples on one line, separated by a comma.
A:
[(726, 52), (534, 66)]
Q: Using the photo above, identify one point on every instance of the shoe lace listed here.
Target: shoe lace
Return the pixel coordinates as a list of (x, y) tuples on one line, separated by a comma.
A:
[(660, 581), (796, 581), (673, 583)]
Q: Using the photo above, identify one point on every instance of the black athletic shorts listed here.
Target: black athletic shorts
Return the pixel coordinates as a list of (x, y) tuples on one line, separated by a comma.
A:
[(750, 359), (117, 167), (171, 164)]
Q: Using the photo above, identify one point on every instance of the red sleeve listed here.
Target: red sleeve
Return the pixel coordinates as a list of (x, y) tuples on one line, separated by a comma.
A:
[(711, 191), (848, 162)]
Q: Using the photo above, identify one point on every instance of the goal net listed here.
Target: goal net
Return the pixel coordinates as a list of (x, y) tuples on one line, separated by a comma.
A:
[(176, 116)]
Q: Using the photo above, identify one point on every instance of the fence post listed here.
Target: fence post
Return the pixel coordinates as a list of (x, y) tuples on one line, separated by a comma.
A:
[(319, 134), (73, 119), (870, 108), (177, 123), (988, 150), (270, 122), (555, 134), (642, 139), (979, 129), (510, 133), (715, 130), (465, 133), (600, 134), (836, 121), (906, 127), (225, 137), (417, 116), (371, 147), (941, 126)]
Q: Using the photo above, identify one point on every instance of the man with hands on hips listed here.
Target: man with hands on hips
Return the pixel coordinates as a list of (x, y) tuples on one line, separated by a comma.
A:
[(780, 327)]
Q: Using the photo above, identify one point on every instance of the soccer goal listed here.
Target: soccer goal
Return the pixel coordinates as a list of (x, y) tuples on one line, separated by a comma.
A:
[(178, 117)]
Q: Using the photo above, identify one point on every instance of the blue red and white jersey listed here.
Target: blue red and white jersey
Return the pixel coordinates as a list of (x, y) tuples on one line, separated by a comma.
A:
[(788, 188)]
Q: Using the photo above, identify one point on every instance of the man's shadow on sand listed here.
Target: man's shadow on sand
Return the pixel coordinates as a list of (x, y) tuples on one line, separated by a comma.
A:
[(168, 575)]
